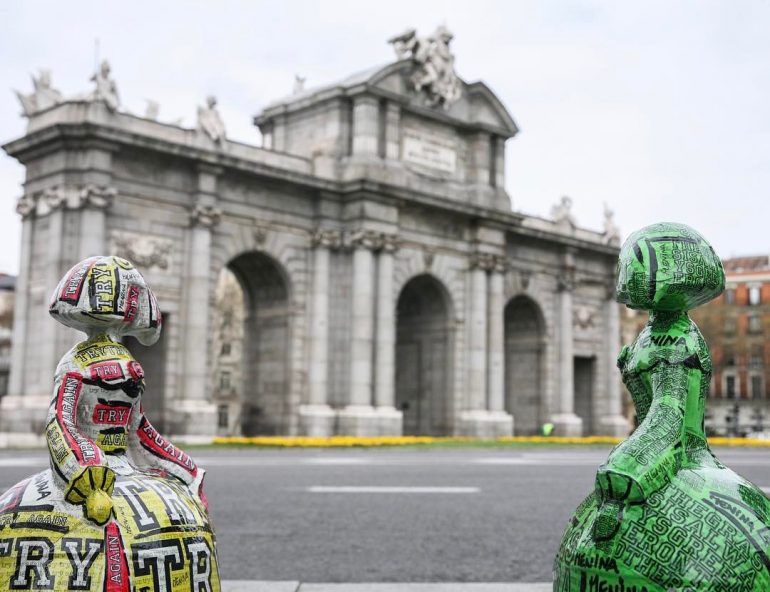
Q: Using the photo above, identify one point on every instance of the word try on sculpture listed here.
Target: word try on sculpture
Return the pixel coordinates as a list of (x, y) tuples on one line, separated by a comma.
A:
[(120, 507), (666, 514)]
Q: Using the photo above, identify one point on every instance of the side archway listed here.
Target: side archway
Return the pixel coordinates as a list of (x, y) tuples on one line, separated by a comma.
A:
[(524, 356), (252, 346), (423, 356)]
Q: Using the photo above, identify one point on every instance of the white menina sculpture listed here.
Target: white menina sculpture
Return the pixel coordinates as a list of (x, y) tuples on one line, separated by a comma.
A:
[(120, 508)]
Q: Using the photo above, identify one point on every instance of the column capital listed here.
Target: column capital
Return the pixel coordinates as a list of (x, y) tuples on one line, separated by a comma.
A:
[(205, 215), (209, 169), (489, 262), (565, 282), (66, 197), (390, 243), (372, 240), (25, 206), (96, 196), (329, 238)]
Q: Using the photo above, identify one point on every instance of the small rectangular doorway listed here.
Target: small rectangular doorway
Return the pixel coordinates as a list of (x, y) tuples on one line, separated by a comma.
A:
[(584, 371)]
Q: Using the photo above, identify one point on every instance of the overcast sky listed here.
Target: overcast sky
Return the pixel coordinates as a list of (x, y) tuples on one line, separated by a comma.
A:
[(660, 109)]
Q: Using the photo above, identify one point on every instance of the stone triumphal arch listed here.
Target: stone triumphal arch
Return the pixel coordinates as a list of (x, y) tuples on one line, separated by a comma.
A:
[(386, 285)]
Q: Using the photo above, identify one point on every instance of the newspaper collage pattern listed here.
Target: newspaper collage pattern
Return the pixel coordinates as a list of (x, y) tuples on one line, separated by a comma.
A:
[(666, 514), (120, 508)]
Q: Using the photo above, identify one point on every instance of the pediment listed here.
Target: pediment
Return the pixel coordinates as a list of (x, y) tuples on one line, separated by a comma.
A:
[(477, 106)]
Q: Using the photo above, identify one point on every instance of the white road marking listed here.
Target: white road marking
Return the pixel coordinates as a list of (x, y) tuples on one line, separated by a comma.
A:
[(374, 489), (323, 460), (512, 460), (23, 462)]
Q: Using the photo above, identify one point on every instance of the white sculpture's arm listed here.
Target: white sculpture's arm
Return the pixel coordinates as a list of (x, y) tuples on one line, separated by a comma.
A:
[(149, 448)]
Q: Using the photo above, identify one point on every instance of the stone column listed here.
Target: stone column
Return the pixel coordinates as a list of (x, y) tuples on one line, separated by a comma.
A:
[(499, 161), (93, 220), (316, 417), (495, 341), (566, 423), (195, 413), (197, 302), (358, 418), (485, 416), (365, 126), (477, 343), (392, 131), (25, 207), (612, 422), (53, 336), (389, 418)]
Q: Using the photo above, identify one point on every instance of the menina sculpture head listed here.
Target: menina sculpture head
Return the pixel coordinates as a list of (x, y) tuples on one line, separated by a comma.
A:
[(107, 295), (668, 267)]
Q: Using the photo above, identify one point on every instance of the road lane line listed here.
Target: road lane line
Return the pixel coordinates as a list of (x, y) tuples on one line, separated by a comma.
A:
[(534, 462), (375, 489), (320, 460), (23, 462)]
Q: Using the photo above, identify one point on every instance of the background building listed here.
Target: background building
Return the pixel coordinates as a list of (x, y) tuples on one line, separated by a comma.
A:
[(7, 286), (737, 328), (386, 284)]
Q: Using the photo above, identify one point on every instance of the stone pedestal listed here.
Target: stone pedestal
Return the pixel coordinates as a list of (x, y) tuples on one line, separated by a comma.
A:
[(316, 421), (567, 425), (358, 420), (22, 417), (487, 425), (613, 425), (190, 418), (390, 421)]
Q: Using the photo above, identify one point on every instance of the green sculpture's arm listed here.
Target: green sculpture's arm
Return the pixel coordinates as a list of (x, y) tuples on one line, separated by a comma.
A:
[(652, 455)]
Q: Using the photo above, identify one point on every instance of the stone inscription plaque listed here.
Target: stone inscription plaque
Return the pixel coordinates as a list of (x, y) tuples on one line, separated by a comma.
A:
[(429, 150)]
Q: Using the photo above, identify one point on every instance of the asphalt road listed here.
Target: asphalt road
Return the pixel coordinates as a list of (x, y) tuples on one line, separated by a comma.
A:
[(394, 515)]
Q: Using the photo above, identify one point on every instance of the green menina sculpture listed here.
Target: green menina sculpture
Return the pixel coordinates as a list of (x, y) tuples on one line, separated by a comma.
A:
[(666, 515)]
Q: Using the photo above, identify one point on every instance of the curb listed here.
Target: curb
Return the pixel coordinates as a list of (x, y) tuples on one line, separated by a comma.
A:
[(396, 441), (267, 586)]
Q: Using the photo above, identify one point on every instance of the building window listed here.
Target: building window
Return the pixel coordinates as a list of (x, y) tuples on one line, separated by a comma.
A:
[(755, 295), (729, 357), (225, 348), (223, 419), (224, 380), (730, 295), (730, 386), (730, 325), (757, 387), (755, 324), (756, 357)]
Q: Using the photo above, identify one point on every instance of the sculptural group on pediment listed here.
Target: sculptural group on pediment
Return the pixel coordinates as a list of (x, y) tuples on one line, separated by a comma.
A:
[(434, 73)]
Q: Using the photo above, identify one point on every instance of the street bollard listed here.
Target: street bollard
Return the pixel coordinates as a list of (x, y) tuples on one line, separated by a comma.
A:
[(120, 508), (665, 514)]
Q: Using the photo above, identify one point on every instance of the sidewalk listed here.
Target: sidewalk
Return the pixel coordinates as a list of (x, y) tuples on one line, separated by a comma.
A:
[(255, 586)]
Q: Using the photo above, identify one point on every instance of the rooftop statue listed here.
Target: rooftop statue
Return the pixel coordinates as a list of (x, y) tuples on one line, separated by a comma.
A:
[(561, 213), (209, 120), (106, 90), (434, 65), (666, 514), (611, 231), (45, 95), (120, 508)]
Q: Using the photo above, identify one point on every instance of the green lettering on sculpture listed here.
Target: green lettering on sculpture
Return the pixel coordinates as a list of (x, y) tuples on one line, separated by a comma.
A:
[(665, 513)]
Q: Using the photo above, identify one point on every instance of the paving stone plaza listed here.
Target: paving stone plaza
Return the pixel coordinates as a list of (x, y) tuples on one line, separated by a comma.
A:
[(388, 285)]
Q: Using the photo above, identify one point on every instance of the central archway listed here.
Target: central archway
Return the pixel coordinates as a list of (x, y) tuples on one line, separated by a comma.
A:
[(524, 346), (423, 347), (260, 382)]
